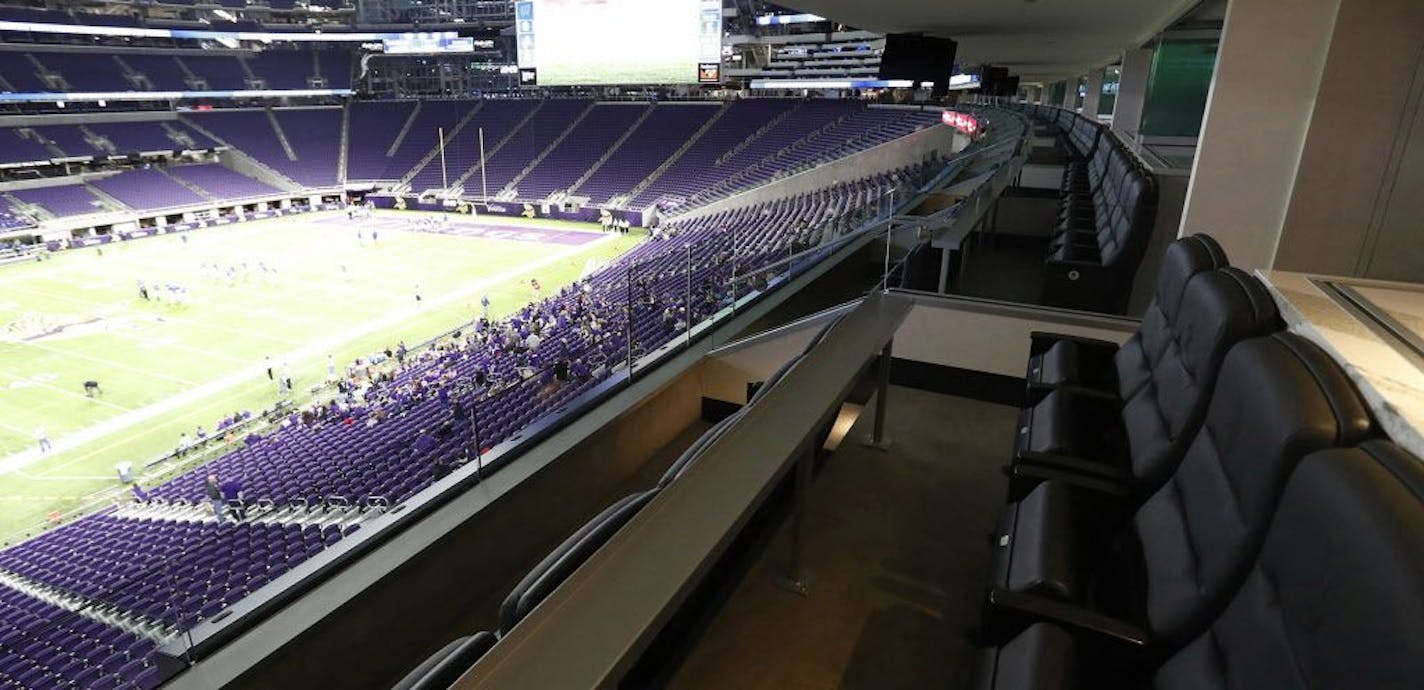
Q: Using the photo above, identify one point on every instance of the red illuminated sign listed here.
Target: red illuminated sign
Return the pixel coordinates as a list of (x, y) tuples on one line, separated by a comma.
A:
[(960, 121)]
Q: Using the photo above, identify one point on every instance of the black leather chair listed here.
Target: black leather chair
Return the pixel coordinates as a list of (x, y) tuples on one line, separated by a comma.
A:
[(556, 567), (446, 666), (694, 451), (1103, 232), (1168, 564), (1139, 441), (1057, 360), (1334, 600), (1081, 140)]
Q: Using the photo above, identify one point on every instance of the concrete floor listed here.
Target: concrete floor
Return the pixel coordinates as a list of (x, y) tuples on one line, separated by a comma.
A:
[(1004, 270), (895, 561)]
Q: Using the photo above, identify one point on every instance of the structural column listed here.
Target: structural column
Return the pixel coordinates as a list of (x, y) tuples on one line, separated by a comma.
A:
[(1356, 208), (1267, 75), (1095, 92), (1070, 94), (1132, 90)]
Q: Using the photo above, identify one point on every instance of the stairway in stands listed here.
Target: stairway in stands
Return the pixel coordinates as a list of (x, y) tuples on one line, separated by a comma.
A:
[(514, 183), (658, 172), (573, 188)]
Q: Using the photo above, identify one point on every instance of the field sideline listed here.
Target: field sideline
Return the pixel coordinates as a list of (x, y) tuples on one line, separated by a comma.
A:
[(167, 367)]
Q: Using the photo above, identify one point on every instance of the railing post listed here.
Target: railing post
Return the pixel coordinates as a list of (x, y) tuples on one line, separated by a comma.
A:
[(629, 325), (687, 305), (882, 393), (794, 580), (475, 435), (889, 230), (733, 282)]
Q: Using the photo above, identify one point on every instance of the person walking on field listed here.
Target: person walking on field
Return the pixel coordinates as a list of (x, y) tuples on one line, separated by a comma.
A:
[(43, 439)]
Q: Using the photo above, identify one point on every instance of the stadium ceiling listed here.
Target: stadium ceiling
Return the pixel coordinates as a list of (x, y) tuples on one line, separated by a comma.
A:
[(1040, 40)]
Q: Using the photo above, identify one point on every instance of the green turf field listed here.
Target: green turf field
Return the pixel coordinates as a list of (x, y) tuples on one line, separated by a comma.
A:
[(166, 368)]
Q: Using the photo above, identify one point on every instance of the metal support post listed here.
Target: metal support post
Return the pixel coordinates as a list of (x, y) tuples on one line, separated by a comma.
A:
[(629, 325), (794, 580), (882, 398), (687, 305)]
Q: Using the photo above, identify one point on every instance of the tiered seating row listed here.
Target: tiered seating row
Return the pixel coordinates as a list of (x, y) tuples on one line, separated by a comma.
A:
[(277, 69), (806, 134), (313, 133), (1109, 206), (165, 574), (376, 454), (45, 646), (139, 189), (10, 219), (1208, 505), (46, 142)]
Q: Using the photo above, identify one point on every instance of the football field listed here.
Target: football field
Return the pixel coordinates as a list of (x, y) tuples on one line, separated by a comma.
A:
[(286, 292)]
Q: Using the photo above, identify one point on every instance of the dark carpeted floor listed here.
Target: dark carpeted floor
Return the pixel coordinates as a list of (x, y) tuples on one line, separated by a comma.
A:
[(895, 558)]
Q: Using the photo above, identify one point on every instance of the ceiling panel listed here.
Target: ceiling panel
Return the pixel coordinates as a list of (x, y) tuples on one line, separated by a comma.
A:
[(1041, 40)]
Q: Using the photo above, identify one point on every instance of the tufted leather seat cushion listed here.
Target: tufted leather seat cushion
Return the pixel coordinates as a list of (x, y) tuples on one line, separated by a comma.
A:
[(1334, 599), (1187, 547), (1147, 437), (1120, 370)]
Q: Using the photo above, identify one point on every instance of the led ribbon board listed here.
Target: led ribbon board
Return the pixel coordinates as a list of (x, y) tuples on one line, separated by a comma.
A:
[(56, 97), (965, 123), (294, 36)]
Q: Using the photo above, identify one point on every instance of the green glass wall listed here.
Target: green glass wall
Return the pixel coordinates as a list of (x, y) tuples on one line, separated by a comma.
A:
[(1056, 91), (1107, 100), (1178, 86)]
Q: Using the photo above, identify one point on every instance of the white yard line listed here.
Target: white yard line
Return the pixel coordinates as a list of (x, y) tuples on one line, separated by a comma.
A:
[(213, 404), (65, 391), (24, 433), (65, 297), (316, 349), (398, 224), (173, 343), (166, 316), (66, 478), (111, 363)]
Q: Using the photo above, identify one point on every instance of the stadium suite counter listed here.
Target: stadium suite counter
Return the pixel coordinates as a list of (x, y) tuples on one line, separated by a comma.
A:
[(590, 629), (1375, 329)]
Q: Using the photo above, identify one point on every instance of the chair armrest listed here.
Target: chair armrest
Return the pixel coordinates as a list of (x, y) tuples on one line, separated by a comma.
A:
[(1037, 391), (1089, 268), (1024, 476), (1072, 463), (1080, 391), (1040, 341), (1034, 608)]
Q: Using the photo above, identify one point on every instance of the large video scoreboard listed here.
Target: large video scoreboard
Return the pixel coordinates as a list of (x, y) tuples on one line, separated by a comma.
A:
[(597, 42)]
